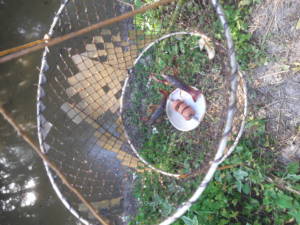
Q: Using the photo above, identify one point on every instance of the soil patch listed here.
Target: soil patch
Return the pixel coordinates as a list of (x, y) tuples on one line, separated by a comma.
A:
[(276, 85)]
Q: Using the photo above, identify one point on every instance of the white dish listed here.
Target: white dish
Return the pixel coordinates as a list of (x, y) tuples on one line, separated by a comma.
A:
[(177, 119)]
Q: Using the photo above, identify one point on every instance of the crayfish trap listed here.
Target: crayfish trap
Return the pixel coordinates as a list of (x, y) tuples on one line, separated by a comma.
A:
[(94, 90)]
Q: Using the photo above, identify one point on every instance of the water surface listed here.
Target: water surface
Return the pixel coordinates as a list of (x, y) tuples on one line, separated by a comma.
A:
[(26, 196)]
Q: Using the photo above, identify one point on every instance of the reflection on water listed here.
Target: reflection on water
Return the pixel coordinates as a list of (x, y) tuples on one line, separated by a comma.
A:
[(13, 194), (26, 196), (31, 183), (29, 199)]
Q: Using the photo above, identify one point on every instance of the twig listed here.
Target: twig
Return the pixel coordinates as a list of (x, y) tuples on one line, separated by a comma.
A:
[(202, 171), (279, 116), (276, 73), (280, 183), (271, 22), (82, 31), (228, 166), (26, 138)]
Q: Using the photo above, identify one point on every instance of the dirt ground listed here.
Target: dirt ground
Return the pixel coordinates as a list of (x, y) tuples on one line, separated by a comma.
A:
[(275, 86)]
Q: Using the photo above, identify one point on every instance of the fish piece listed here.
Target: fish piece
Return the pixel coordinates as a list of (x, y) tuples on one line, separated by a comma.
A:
[(182, 107), (188, 113), (176, 104), (176, 82), (160, 109)]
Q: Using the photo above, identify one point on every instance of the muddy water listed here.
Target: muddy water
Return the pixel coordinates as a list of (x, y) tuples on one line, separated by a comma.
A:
[(26, 196)]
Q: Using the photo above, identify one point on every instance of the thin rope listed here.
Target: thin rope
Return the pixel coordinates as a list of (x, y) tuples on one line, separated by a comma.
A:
[(82, 31), (29, 140)]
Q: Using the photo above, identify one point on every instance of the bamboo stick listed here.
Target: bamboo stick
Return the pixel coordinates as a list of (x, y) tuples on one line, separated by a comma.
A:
[(82, 31)]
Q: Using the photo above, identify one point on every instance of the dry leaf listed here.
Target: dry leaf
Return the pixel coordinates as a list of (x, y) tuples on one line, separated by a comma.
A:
[(206, 43), (210, 51), (296, 67), (201, 44), (245, 3), (298, 25), (296, 63)]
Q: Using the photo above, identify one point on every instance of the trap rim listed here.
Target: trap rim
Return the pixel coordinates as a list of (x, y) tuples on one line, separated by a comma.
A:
[(228, 128), (40, 107)]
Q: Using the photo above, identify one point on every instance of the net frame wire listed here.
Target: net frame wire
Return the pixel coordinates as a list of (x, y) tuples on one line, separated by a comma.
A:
[(40, 106), (220, 156)]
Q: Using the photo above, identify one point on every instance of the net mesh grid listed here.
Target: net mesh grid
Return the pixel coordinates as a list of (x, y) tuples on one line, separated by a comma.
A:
[(79, 123)]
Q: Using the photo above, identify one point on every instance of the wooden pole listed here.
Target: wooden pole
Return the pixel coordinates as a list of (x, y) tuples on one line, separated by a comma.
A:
[(82, 31)]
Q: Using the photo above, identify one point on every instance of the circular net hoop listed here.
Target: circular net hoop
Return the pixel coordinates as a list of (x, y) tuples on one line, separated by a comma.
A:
[(94, 89)]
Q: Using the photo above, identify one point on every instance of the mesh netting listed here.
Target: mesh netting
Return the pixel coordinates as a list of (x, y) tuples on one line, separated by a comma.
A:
[(83, 129)]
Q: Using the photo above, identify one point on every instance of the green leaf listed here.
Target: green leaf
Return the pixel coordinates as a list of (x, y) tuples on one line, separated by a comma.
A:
[(295, 214), (239, 185), (293, 167), (240, 174), (138, 3), (256, 122), (223, 222), (195, 220), (293, 177), (269, 195), (254, 203), (285, 201), (189, 221), (246, 188)]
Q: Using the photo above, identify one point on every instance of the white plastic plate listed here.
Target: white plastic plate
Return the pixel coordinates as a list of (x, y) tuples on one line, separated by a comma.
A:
[(177, 119)]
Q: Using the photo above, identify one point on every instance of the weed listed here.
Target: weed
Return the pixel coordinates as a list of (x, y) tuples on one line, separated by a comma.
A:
[(180, 150), (243, 195), (240, 195)]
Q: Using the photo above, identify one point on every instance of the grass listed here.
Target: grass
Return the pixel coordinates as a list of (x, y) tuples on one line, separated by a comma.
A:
[(249, 54), (243, 195), (166, 140), (253, 190), (240, 195)]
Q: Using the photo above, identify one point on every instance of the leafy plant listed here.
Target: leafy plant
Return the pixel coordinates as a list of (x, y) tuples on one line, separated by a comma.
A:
[(177, 147), (242, 194), (248, 52)]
